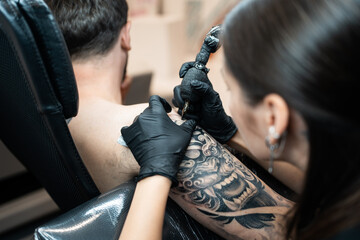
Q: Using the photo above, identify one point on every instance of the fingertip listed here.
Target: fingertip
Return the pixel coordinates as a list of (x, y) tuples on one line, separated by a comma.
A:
[(156, 103), (165, 104), (189, 125), (192, 123), (179, 111), (123, 130), (153, 98), (184, 68), (182, 73)]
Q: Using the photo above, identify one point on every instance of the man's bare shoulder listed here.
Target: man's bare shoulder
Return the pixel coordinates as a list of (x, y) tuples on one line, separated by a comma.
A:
[(95, 131), (99, 120)]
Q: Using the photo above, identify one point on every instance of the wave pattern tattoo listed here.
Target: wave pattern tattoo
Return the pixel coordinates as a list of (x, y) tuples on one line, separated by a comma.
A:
[(221, 186)]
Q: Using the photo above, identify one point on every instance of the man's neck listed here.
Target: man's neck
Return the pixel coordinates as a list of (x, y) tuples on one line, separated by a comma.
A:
[(100, 76)]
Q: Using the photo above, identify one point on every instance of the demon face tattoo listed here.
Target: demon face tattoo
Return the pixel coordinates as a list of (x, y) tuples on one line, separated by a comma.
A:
[(221, 186)]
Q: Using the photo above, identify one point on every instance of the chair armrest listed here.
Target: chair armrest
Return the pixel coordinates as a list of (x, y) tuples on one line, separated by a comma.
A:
[(103, 217)]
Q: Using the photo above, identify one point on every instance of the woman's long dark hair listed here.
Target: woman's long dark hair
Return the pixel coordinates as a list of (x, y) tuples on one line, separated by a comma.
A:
[(308, 51)]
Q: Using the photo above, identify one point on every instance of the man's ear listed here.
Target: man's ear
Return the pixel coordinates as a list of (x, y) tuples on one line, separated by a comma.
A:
[(125, 37), (277, 112)]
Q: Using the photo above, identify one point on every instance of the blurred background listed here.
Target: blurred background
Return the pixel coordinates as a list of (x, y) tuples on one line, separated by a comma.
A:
[(164, 35)]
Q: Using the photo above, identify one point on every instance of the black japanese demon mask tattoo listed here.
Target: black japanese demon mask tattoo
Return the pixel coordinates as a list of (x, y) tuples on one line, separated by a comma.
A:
[(220, 185)]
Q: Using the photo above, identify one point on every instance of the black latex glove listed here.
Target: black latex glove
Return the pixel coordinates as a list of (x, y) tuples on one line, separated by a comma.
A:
[(157, 143), (209, 111), (192, 71)]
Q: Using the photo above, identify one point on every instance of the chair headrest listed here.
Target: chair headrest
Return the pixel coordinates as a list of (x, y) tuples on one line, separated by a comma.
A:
[(53, 50)]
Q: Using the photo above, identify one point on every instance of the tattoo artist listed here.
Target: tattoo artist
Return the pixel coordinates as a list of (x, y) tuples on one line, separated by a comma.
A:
[(292, 71)]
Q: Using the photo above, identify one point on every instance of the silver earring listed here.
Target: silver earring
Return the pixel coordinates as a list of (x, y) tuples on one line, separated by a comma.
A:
[(276, 148)]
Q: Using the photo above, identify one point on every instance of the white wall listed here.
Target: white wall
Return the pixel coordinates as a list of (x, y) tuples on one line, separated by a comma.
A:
[(162, 42)]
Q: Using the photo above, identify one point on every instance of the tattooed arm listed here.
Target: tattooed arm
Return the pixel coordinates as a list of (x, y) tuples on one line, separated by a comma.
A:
[(221, 193)]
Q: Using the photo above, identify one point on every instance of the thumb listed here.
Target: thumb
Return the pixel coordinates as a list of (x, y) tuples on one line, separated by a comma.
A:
[(189, 125)]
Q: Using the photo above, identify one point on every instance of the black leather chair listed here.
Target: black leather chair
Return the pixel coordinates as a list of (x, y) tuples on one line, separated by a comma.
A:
[(37, 94), (103, 218)]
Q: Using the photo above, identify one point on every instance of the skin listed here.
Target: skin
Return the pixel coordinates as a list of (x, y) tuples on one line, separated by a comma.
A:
[(155, 190), (95, 132), (254, 121)]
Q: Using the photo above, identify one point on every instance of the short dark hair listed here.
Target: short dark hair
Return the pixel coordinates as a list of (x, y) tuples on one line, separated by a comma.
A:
[(90, 27), (308, 52)]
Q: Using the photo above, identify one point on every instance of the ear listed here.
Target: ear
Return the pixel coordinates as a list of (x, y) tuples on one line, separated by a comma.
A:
[(125, 37), (277, 113)]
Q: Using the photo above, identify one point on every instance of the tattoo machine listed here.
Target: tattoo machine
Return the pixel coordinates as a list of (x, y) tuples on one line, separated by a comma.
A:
[(198, 70)]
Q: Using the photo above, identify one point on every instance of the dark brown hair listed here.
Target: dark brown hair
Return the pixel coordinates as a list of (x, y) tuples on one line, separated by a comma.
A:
[(308, 52), (90, 27)]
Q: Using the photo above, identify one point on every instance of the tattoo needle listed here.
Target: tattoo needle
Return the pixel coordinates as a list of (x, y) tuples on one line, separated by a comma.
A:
[(185, 108)]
